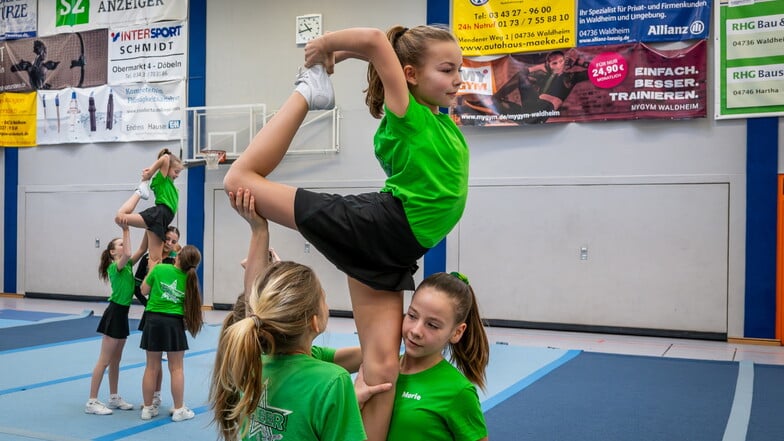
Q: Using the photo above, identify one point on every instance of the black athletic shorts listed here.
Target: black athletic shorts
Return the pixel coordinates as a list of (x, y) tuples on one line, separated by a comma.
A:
[(367, 236), (157, 219)]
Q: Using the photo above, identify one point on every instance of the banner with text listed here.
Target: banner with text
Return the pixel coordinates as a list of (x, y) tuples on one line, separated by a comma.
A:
[(17, 119), (138, 112), (54, 62), (750, 52), (487, 27), (148, 53), (19, 19), (593, 83), (603, 22), (78, 15)]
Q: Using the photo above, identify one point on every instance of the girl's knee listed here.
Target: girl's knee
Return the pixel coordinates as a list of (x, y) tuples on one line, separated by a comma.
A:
[(384, 370), (232, 181)]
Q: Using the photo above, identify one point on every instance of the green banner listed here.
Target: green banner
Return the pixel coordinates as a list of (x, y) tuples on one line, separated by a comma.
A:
[(750, 51)]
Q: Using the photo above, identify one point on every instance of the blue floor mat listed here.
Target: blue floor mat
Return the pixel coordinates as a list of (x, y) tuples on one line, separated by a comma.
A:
[(608, 397), (17, 337)]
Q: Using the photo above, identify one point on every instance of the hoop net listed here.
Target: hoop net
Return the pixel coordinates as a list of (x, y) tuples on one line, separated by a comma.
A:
[(213, 158)]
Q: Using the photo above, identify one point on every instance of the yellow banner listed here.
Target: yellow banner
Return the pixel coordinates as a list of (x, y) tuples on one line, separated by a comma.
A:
[(17, 119), (489, 27)]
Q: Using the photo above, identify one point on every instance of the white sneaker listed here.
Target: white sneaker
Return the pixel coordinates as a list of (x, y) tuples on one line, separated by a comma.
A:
[(143, 190), (314, 84), (182, 414), (148, 412), (116, 402), (95, 407)]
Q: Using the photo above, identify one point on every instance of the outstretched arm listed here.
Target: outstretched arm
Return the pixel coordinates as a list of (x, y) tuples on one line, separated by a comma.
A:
[(258, 252), (126, 254), (349, 358), (368, 44), (139, 252)]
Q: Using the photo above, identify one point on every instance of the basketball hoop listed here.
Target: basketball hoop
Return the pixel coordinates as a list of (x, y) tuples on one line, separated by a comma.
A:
[(213, 158)]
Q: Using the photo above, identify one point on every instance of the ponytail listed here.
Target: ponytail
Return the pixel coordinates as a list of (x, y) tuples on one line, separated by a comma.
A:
[(189, 258), (106, 259), (471, 353), (194, 320), (235, 390)]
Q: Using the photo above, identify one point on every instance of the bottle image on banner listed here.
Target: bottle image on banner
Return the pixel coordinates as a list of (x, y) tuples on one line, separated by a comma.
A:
[(43, 101), (73, 112), (91, 111), (110, 111), (57, 106)]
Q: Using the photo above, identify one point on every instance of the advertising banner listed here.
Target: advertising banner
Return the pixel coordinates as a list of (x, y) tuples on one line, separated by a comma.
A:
[(487, 27), (138, 112), (602, 22), (750, 54), (57, 16), (621, 82), (17, 119), (54, 62), (148, 53), (19, 19)]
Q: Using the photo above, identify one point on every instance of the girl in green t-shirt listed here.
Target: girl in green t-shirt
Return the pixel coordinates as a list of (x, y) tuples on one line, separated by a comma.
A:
[(160, 178), (436, 400), (269, 382), (173, 306), (375, 238), (115, 267)]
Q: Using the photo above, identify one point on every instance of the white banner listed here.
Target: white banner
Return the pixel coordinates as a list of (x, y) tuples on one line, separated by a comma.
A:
[(138, 112), (148, 53), (19, 19), (55, 16)]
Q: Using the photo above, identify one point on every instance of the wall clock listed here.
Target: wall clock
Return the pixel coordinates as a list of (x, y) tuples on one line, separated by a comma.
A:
[(308, 28)]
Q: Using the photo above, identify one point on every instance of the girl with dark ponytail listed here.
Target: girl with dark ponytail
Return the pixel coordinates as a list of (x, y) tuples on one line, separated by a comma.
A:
[(115, 267), (442, 320), (174, 305)]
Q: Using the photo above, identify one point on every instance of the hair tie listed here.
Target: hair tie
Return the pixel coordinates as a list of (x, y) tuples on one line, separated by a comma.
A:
[(460, 276), (256, 320), (398, 35)]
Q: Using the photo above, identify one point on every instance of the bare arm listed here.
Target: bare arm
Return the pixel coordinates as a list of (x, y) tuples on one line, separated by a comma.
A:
[(365, 392), (145, 288), (366, 44), (126, 254), (345, 55), (349, 358), (142, 249), (258, 252), (161, 164)]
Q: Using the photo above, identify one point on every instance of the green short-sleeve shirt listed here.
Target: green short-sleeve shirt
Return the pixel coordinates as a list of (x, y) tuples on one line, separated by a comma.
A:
[(165, 191), (122, 283), (306, 398), (167, 289), (425, 158), (438, 404)]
